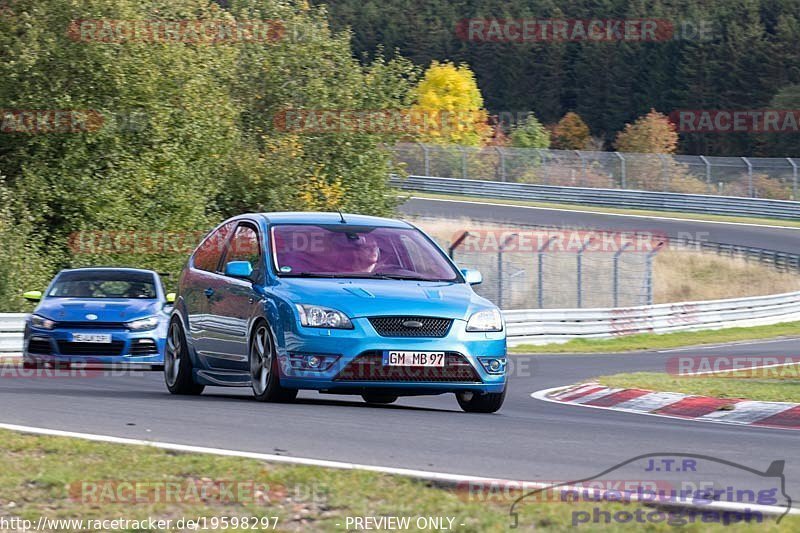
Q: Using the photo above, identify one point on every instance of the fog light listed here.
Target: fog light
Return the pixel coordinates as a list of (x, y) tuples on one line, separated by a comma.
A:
[(494, 365), (313, 361)]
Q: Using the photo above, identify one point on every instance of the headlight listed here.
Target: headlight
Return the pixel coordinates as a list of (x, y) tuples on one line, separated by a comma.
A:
[(490, 320), (314, 316), (41, 322), (142, 324)]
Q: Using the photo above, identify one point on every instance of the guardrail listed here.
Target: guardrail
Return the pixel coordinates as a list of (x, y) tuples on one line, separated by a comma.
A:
[(661, 201), (551, 326), (11, 328)]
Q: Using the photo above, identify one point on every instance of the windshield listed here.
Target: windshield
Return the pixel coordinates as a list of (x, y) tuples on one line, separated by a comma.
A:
[(345, 251), (104, 284)]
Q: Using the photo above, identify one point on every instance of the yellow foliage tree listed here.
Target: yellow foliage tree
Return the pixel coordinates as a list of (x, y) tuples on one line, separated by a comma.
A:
[(571, 133), (449, 107), (650, 134)]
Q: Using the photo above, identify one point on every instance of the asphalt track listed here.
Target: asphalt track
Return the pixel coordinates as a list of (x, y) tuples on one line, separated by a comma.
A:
[(527, 439)]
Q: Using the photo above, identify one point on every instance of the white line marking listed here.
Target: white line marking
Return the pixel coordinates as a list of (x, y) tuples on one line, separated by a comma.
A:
[(627, 215), (737, 343), (595, 395), (651, 402), (543, 395), (444, 478)]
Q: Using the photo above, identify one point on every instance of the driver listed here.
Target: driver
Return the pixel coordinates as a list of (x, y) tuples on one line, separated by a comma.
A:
[(365, 252)]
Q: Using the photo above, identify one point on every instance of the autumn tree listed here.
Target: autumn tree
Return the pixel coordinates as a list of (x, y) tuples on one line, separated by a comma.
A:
[(650, 134), (448, 106), (571, 133)]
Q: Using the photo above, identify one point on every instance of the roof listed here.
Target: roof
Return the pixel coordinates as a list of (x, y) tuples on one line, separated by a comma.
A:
[(115, 269), (332, 218)]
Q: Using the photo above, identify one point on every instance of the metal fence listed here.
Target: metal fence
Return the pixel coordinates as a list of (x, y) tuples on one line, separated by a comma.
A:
[(549, 278), (749, 177)]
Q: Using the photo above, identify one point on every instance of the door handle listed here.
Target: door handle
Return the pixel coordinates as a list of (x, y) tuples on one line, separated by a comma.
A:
[(209, 292)]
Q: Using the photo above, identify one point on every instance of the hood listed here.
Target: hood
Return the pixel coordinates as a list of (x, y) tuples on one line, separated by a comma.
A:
[(106, 309), (362, 298)]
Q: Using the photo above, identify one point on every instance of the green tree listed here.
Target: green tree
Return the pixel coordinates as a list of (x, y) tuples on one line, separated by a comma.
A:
[(530, 134)]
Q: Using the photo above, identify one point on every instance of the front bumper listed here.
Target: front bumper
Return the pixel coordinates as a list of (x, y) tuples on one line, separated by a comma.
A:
[(364, 342), (128, 348)]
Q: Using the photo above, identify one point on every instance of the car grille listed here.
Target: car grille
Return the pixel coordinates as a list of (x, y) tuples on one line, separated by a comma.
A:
[(392, 326), (369, 367), (90, 348), (40, 346), (144, 347), (91, 325)]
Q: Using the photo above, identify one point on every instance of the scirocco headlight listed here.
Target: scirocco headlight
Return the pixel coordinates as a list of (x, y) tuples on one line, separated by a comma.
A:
[(490, 320), (142, 324), (315, 316), (41, 322)]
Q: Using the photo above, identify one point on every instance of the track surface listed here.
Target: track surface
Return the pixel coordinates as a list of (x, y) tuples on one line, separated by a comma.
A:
[(528, 439)]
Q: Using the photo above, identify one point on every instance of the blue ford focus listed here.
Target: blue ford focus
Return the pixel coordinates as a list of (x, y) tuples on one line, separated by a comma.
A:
[(99, 316), (341, 304)]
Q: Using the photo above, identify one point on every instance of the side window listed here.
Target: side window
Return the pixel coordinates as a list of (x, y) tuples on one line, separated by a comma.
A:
[(245, 247), (209, 253)]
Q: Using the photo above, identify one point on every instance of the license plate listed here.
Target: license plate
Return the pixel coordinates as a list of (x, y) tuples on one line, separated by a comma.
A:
[(98, 338), (431, 359)]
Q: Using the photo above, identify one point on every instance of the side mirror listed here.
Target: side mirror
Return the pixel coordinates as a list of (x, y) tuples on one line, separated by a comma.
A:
[(239, 269), (33, 296), (473, 277), (170, 297)]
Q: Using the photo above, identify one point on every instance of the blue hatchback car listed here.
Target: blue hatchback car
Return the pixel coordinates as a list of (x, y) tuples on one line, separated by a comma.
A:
[(99, 316), (342, 304)]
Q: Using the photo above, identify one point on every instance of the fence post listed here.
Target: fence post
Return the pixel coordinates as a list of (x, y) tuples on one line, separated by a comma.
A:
[(704, 159), (500, 251), (502, 163), (580, 271), (463, 162), (649, 273), (750, 188), (664, 176), (426, 159), (540, 273), (794, 177), (616, 273), (545, 177), (451, 251), (583, 167), (622, 170)]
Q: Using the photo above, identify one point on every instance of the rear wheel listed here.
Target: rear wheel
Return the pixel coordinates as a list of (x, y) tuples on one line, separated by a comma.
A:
[(382, 399), (264, 368), (177, 364), (472, 402)]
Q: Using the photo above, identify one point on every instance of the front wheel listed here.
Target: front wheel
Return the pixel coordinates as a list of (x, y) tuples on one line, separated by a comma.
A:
[(264, 369), (472, 402), (177, 364)]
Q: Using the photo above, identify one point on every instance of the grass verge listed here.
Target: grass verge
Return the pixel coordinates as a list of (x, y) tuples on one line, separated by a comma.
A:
[(650, 341), (613, 211), (62, 478), (780, 384)]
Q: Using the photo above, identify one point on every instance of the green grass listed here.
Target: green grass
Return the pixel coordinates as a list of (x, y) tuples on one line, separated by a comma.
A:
[(651, 341), (615, 211), (39, 477), (780, 384)]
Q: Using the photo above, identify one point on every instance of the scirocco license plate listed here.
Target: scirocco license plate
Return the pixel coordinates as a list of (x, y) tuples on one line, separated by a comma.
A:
[(434, 359)]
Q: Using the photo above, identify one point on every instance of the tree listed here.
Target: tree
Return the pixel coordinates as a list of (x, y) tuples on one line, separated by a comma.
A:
[(449, 106), (571, 133), (530, 134), (650, 134)]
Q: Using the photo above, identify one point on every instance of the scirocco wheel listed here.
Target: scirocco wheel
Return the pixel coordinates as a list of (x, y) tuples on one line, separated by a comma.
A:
[(177, 364)]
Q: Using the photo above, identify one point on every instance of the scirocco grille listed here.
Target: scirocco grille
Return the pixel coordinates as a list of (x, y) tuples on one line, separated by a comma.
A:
[(369, 367), (411, 326)]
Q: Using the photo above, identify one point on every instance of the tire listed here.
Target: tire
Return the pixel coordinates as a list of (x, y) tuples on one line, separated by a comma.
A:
[(178, 364), (380, 399), (263, 364), (481, 403)]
